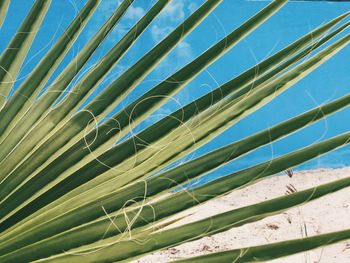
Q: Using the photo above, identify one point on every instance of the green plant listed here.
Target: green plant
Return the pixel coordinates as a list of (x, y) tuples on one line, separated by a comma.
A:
[(69, 193)]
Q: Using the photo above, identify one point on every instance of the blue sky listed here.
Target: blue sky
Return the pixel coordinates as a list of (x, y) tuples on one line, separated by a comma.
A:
[(330, 81)]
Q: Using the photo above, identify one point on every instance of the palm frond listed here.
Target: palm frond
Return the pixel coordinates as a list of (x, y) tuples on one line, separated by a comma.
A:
[(71, 191)]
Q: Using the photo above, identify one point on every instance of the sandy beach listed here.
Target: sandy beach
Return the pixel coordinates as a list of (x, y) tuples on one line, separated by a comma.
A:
[(330, 213)]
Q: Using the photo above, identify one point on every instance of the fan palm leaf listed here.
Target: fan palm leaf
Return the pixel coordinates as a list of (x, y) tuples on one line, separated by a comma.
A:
[(71, 191)]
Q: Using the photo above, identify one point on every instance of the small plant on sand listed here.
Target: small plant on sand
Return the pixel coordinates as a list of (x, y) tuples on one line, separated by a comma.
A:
[(71, 192)]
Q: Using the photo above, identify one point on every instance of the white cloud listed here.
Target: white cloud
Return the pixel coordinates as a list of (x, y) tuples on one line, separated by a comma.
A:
[(184, 50), (174, 11), (135, 13), (132, 15), (158, 32), (106, 8), (171, 16), (192, 7)]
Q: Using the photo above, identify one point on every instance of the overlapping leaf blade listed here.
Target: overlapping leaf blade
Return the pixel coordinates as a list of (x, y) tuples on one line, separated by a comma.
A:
[(72, 202), (22, 124), (123, 250), (73, 126), (69, 185), (100, 140), (13, 57), (182, 200), (252, 23), (35, 136), (274, 250), (4, 5), (183, 137)]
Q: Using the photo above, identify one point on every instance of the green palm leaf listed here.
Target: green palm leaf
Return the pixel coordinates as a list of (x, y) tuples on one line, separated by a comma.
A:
[(51, 122), (12, 58), (71, 192), (116, 250), (20, 123), (217, 49), (273, 251), (4, 5)]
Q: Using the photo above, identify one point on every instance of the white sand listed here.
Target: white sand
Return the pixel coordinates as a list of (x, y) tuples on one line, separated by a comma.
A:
[(330, 213)]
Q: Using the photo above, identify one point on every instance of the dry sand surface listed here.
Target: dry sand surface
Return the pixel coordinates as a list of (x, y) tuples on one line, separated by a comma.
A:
[(330, 213)]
